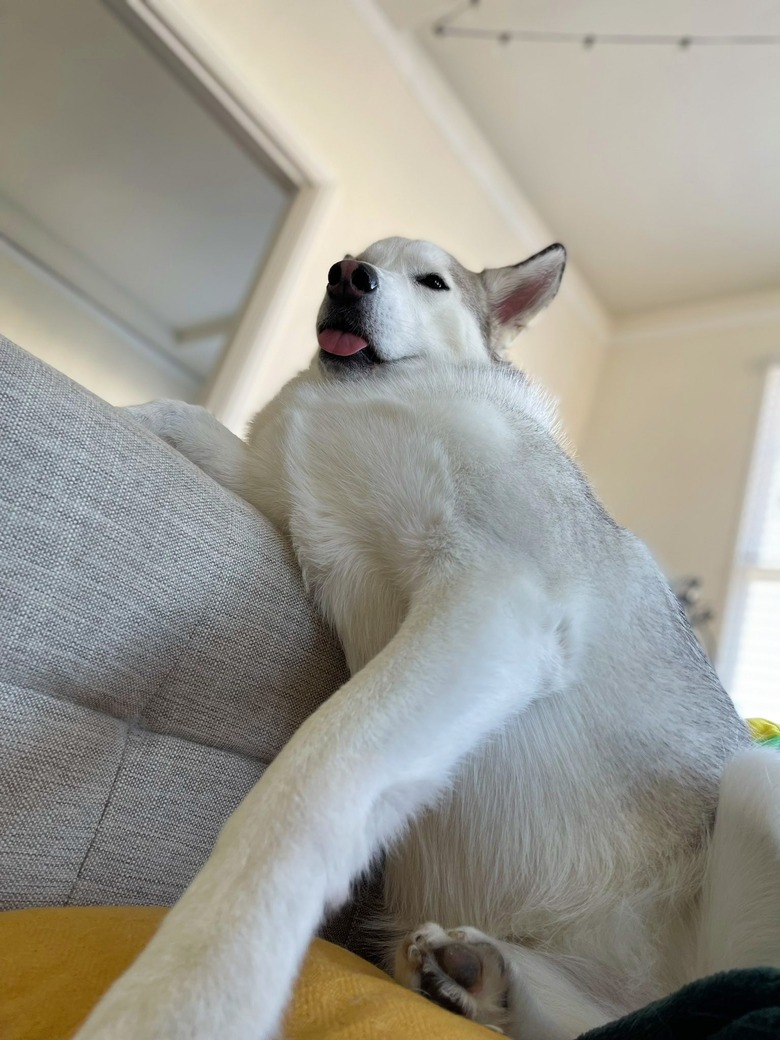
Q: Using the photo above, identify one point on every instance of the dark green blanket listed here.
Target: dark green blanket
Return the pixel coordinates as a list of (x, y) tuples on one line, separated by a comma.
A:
[(735, 1005)]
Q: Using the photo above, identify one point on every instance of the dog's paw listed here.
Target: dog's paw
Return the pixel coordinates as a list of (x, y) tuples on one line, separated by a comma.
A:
[(462, 970), (176, 422), (161, 417)]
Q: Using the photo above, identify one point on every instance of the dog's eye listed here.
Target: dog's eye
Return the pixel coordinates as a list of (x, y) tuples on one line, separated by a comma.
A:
[(432, 281)]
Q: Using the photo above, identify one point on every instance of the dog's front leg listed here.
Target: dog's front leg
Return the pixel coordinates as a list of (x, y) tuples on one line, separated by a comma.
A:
[(223, 963)]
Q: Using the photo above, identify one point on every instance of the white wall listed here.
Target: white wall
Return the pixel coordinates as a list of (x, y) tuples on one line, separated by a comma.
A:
[(56, 327), (334, 74), (671, 433)]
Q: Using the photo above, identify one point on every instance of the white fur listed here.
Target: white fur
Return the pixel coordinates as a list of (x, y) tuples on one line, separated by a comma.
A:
[(530, 727)]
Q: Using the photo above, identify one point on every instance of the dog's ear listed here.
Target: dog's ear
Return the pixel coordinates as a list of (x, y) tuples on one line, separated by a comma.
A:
[(517, 293)]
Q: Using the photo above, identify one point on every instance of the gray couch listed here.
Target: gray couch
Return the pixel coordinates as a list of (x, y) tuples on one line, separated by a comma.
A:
[(156, 651)]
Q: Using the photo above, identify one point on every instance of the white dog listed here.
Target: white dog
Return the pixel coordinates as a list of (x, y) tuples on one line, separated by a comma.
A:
[(531, 729)]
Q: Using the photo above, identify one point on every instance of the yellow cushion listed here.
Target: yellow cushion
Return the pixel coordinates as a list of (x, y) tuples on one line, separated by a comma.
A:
[(55, 963)]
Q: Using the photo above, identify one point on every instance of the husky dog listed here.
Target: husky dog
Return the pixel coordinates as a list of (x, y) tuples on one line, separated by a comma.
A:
[(531, 730)]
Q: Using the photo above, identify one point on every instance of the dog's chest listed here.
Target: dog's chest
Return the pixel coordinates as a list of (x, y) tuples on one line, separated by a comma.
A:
[(383, 491)]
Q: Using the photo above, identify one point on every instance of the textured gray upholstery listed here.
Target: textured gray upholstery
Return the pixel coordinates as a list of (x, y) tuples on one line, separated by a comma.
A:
[(156, 650)]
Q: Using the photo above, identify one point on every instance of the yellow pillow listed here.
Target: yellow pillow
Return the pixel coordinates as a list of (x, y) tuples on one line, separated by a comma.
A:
[(55, 963)]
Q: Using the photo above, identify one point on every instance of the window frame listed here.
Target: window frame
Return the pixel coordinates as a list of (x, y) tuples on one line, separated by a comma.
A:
[(745, 569)]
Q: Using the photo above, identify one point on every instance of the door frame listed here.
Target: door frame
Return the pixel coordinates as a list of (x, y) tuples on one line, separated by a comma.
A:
[(175, 36)]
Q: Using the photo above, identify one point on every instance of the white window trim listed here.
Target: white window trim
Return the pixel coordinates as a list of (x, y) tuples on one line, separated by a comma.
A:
[(175, 34)]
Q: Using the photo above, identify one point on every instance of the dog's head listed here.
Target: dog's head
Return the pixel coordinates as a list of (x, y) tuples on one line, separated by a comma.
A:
[(402, 299)]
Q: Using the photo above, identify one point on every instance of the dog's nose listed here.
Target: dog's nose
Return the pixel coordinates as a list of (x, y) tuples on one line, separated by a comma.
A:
[(349, 280)]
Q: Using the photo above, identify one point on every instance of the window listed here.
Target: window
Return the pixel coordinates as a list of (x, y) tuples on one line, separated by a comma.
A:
[(750, 664), (137, 215)]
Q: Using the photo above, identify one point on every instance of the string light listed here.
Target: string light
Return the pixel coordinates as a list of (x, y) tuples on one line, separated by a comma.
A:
[(445, 26)]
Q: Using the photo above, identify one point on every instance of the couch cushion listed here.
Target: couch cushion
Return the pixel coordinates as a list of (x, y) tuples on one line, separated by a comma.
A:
[(54, 964), (156, 650)]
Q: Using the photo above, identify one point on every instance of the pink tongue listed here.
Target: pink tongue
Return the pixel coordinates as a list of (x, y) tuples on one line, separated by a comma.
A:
[(341, 343)]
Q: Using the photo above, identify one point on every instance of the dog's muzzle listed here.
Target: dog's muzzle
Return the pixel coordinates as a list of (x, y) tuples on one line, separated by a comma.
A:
[(340, 336)]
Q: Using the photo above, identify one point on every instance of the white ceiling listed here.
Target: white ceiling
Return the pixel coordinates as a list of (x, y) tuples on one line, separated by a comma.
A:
[(658, 167), (116, 178)]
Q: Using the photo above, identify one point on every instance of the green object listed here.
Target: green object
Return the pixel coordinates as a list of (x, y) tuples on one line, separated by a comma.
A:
[(734, 1005)]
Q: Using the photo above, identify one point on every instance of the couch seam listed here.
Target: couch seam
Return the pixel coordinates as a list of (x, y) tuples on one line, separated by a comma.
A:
[(134, 724), (99, 822)]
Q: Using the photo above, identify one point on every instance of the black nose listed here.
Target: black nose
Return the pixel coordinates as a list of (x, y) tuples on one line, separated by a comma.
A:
[(349, 280)]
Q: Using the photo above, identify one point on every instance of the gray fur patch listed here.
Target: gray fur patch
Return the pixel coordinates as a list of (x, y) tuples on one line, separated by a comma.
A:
[(474, 296)]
